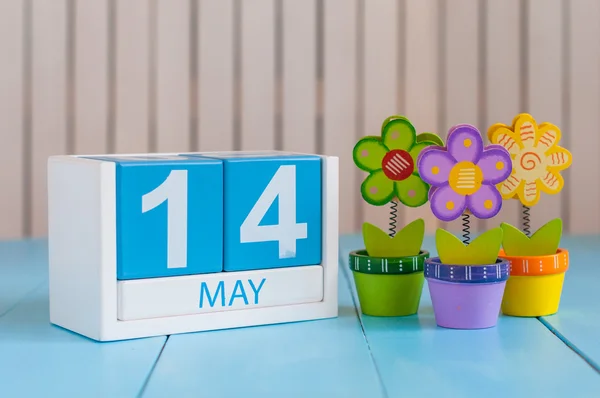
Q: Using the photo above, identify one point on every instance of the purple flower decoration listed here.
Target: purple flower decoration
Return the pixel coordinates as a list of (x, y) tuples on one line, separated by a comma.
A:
[(463, 174)]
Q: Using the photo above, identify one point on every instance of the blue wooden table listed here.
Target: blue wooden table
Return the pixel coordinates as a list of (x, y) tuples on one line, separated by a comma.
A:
[(349, 356)]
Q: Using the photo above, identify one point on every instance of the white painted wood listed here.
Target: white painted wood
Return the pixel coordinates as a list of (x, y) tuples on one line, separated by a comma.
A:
[(380, 61), (84, 299), (222, 291), (258, 74), (582, 135), (173, 76), (420, 94), (12, 175), (462, 64), (49, 104), (339, 103), (215, 60), (503, 83), (299, 75), (545, 95), (132, 76), (91, 76)]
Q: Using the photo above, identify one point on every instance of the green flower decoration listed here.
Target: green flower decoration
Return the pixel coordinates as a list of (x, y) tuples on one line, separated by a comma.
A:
[(391, 163)]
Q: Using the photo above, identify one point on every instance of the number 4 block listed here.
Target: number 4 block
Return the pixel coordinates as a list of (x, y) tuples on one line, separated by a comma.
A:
[(272, 209)]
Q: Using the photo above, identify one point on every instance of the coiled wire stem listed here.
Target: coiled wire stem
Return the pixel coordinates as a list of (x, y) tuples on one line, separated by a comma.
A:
[(393, 217), (466, 218), (526, 220)]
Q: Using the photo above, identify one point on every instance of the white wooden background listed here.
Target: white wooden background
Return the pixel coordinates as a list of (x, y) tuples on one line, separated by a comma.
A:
[(114, 76)]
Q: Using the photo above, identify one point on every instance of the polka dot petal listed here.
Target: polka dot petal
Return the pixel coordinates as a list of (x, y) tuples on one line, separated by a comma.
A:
[(434, 166), (398, 133), (486, 202), (368, 153), (465, 143), (412, 192), (496, 164), (446, 204), (377, 189)]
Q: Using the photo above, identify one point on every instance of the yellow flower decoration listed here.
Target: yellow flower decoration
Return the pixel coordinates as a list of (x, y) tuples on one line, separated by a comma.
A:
[(537, 158)]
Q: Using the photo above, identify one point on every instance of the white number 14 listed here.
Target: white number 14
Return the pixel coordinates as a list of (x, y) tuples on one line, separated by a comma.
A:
[(287, 232), (173, 190)]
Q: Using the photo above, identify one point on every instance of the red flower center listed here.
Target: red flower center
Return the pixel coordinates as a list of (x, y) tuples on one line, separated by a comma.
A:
[(398, 165)]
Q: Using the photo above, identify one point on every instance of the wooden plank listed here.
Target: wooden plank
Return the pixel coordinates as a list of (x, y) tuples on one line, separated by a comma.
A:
[(577, 321), (339, 103), (23, 268), (61, 363), (132, 76), (12, 172), (258, 75), (502, 82), (49, 101), (429, 361), (173, 76), (421, 81), (380, 61), (461, 74), (299, 75), (544, 90), (582, 189), (91, 77), (215, 60), (296, 360)]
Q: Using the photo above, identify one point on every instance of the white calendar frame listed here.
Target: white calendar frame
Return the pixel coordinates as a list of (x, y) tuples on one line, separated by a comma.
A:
[(83, 282)]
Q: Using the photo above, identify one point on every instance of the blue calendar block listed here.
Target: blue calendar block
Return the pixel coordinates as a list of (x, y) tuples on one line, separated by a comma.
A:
[(272, 209), (169, 216)]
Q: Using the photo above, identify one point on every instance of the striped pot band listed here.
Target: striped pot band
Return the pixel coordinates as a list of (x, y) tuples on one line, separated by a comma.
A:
[(359, 261), (488, 273), (538, 265)]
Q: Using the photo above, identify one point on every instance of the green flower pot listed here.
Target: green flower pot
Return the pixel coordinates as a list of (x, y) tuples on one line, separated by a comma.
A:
[(388, 286)]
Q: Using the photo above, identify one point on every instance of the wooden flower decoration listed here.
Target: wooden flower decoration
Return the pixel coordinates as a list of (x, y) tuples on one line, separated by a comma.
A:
[(464, 174), (390, 161), (537, 159)]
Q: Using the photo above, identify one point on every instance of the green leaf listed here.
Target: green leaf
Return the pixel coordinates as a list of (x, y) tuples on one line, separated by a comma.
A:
[(544, 241), (482, 250), (430, 137), (406, 242)]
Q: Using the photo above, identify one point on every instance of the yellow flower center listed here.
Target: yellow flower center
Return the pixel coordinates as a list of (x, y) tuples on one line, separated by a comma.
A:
[(465, 178)]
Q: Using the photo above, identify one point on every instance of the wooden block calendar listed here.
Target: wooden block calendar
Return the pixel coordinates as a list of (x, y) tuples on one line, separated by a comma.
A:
[(152, 244)]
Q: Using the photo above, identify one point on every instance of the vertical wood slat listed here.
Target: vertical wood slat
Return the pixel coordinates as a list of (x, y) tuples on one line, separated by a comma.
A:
[(215, 71), (339, 129), (91, 77), (544, 93), (582, 135), (503, 82), (299, 73), (258, 75), (173, 76), (380, 62), (462, 63), (49, 104), (421, 77), (12, 171), (132, 76)]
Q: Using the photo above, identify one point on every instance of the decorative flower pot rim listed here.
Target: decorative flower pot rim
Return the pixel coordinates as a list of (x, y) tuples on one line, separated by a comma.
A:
[(360, 261), (480, 273), (538, 265)]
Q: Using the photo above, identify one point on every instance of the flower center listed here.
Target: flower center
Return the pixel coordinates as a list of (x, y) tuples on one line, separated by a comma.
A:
[(465, 178), (398, 165)]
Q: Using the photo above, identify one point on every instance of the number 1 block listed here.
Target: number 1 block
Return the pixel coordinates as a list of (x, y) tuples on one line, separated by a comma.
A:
[(272, 209), (169, 215)]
